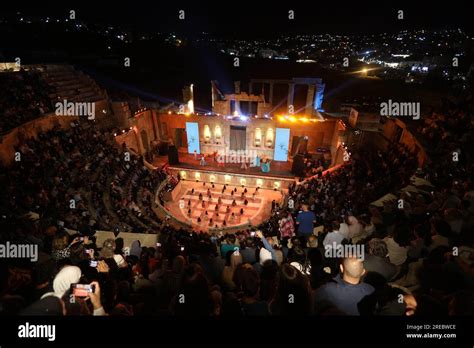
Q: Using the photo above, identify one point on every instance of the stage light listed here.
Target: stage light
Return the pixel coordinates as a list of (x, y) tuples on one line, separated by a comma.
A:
[(182, 174), (212, 178), (123, 131), (169, 112), (244, 118), (259, 183), (292, 119), (304, 119), (281, 119), (242, 182), (115, 134), (197, 176), (276, 185), (227, 179)]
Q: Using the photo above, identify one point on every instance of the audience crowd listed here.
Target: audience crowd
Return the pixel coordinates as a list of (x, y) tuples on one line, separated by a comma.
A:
[(409, 254), (24, 97)]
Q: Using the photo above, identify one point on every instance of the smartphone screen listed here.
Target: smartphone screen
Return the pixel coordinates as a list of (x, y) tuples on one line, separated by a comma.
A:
[(158, 244), (82, 290), (93, 263)]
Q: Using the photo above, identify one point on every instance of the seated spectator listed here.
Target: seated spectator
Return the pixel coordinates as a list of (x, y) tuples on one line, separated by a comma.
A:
[(346, 291), (376, 260), (335, 237), (397, 254), (249, 283), (233, 259), (193, 299), (292, 298), (229, 245)]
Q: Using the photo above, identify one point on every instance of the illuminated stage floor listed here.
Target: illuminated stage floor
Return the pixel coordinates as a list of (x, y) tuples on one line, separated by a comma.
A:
[(255, 212), (187, 161)]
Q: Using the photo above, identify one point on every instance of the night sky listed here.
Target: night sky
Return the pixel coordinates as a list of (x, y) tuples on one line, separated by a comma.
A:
[(260, 19)]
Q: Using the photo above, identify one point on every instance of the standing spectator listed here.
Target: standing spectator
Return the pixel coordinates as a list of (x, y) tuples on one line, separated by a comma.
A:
[(305, 221)]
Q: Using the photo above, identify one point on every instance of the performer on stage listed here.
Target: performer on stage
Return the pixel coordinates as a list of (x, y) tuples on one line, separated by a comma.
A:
[(256, 161)]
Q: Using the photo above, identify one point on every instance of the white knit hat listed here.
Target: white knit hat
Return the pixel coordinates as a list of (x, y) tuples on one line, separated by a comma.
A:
[(63, 280)]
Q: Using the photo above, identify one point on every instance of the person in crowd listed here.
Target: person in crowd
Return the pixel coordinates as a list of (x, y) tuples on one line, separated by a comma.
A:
[(408, 251), (233, 260), (292, 299), (194, 289), (248, 251), (346, 291), (287, 226), (376, 260), (305, 222), (229, 245)]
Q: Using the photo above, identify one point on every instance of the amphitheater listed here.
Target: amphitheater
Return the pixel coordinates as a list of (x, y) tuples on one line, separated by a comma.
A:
[(116, 195)]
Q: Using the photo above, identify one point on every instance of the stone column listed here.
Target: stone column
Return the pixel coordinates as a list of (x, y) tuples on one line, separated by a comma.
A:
[(310, 100)]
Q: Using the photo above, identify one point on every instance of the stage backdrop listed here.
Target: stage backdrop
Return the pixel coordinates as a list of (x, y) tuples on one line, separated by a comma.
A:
[(192, 131), (238, 138), (282, 140)]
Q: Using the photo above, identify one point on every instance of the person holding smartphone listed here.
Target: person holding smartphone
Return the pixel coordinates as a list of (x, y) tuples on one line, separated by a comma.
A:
[(61, 248)]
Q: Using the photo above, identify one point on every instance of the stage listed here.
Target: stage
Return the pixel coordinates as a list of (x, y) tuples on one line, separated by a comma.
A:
[(194, 203), (278, 169)]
